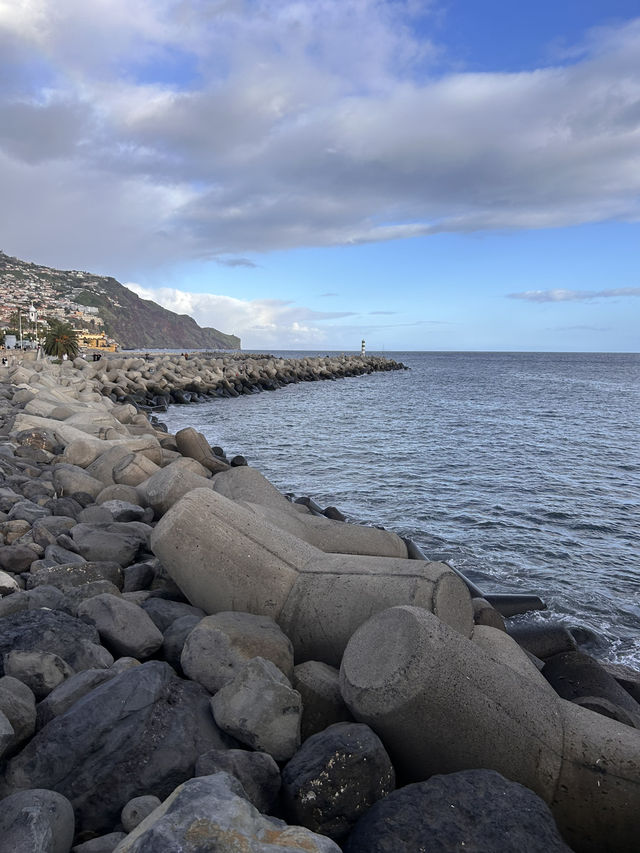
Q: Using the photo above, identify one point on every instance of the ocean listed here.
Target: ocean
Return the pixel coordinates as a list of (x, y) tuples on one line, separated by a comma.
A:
[(522, 470)]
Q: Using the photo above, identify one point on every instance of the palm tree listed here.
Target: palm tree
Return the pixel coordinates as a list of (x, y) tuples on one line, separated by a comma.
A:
[(61, 339)]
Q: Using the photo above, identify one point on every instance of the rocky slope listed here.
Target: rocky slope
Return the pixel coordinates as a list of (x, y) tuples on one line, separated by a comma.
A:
[(133, 322)]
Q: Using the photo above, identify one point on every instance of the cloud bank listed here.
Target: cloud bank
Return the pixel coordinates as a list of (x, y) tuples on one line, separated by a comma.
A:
[(158, 130), (561, 295)]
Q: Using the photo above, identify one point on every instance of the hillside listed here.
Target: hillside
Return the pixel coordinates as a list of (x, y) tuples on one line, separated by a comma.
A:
[(131, 321)]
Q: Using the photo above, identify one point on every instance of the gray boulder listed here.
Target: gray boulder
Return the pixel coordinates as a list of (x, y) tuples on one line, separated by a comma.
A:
[(45, 531), (56, 632), (211, 813), (36, 821), (116, 542), (18, 704), (124, 627), (16, 558), (136, 810), (27, 511), (163, 612), (261, 709), (139, 733), (67, 575), (40, 671), (219, 645), (102, 844), (257, 771), (7, 734), (335, 777), (473, 810), (175, 637), (66, 694)]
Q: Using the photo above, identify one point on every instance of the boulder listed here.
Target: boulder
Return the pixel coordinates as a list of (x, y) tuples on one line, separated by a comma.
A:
[(138, 733), (56, 632), (101, 844), (123, 626), (27, 511), (69, 479), (18, 704), (45, 531), (175, 637), (221, 644), (257, 771), (8, 584), (40, 671), (163, 612), (475, 810), (70, 575), (212, 813), (16, 558), (66, 694), (36, 820), (335, 777), (113, 542), (261, 709), (543, 639), (136, 810)]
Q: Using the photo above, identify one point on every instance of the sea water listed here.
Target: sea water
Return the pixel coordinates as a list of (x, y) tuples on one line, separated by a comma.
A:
[(522, 470)]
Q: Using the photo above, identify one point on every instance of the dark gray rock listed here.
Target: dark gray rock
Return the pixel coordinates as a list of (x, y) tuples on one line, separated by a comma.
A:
[(40, 671), (61, 555), (478, 811), (335, 777), (36, 821), (175, 637), (124, 627), (125, 511), (45, 531), (18, 704), (27, 511), (115, 542), (56, 632), (51, 597), (65, 506), (16, 558), (138, 576), (67, 575), (322, 703), (261, 709), (139, 733), (95, 515), (164, 612), (102, 844), (211, 813), (257, 771), (61, 698)]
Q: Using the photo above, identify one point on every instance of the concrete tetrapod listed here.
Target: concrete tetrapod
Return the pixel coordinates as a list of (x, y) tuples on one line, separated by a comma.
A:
[(442, 704), (246, 484), (225, 557)]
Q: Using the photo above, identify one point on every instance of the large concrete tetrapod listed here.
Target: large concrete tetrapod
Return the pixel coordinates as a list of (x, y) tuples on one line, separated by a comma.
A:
[(441, 703), (248, 486), (225, 557)]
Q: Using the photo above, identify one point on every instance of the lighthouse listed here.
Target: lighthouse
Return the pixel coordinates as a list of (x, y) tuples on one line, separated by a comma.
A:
[(362, 348)]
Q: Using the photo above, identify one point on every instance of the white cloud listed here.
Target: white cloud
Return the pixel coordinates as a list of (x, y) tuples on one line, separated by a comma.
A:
[(561, 295), (146, 130), (260, 323)]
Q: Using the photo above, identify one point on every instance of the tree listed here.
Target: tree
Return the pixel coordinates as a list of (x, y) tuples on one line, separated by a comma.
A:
[(61, 339)]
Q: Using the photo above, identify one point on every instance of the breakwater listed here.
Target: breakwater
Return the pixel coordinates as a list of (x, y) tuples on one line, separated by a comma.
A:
[(188, 657)]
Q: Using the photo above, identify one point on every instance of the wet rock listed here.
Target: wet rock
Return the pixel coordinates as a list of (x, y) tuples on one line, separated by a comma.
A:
[(139, 733), (123, 627), (261, 709), (211, 813), (543, 639), (257, 771), (476, 810), (335, 777), (36, 820), (220, 644)]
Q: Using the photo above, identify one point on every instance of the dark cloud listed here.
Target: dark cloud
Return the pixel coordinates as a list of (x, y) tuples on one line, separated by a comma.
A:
[(236, 262)]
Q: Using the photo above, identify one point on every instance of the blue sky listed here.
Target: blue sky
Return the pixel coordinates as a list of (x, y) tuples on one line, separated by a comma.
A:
[(427, 175)]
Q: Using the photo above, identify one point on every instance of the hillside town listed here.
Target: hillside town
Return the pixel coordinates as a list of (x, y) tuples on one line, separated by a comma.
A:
[(31, 295)]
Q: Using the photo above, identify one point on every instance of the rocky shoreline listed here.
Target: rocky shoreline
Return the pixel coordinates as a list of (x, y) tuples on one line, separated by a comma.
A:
[(189, 661)]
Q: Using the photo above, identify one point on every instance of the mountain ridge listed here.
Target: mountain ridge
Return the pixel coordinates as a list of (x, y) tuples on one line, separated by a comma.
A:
[(132, 321)]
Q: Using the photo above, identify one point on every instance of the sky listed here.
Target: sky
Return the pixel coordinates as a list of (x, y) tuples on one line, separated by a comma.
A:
[(423, 174)]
